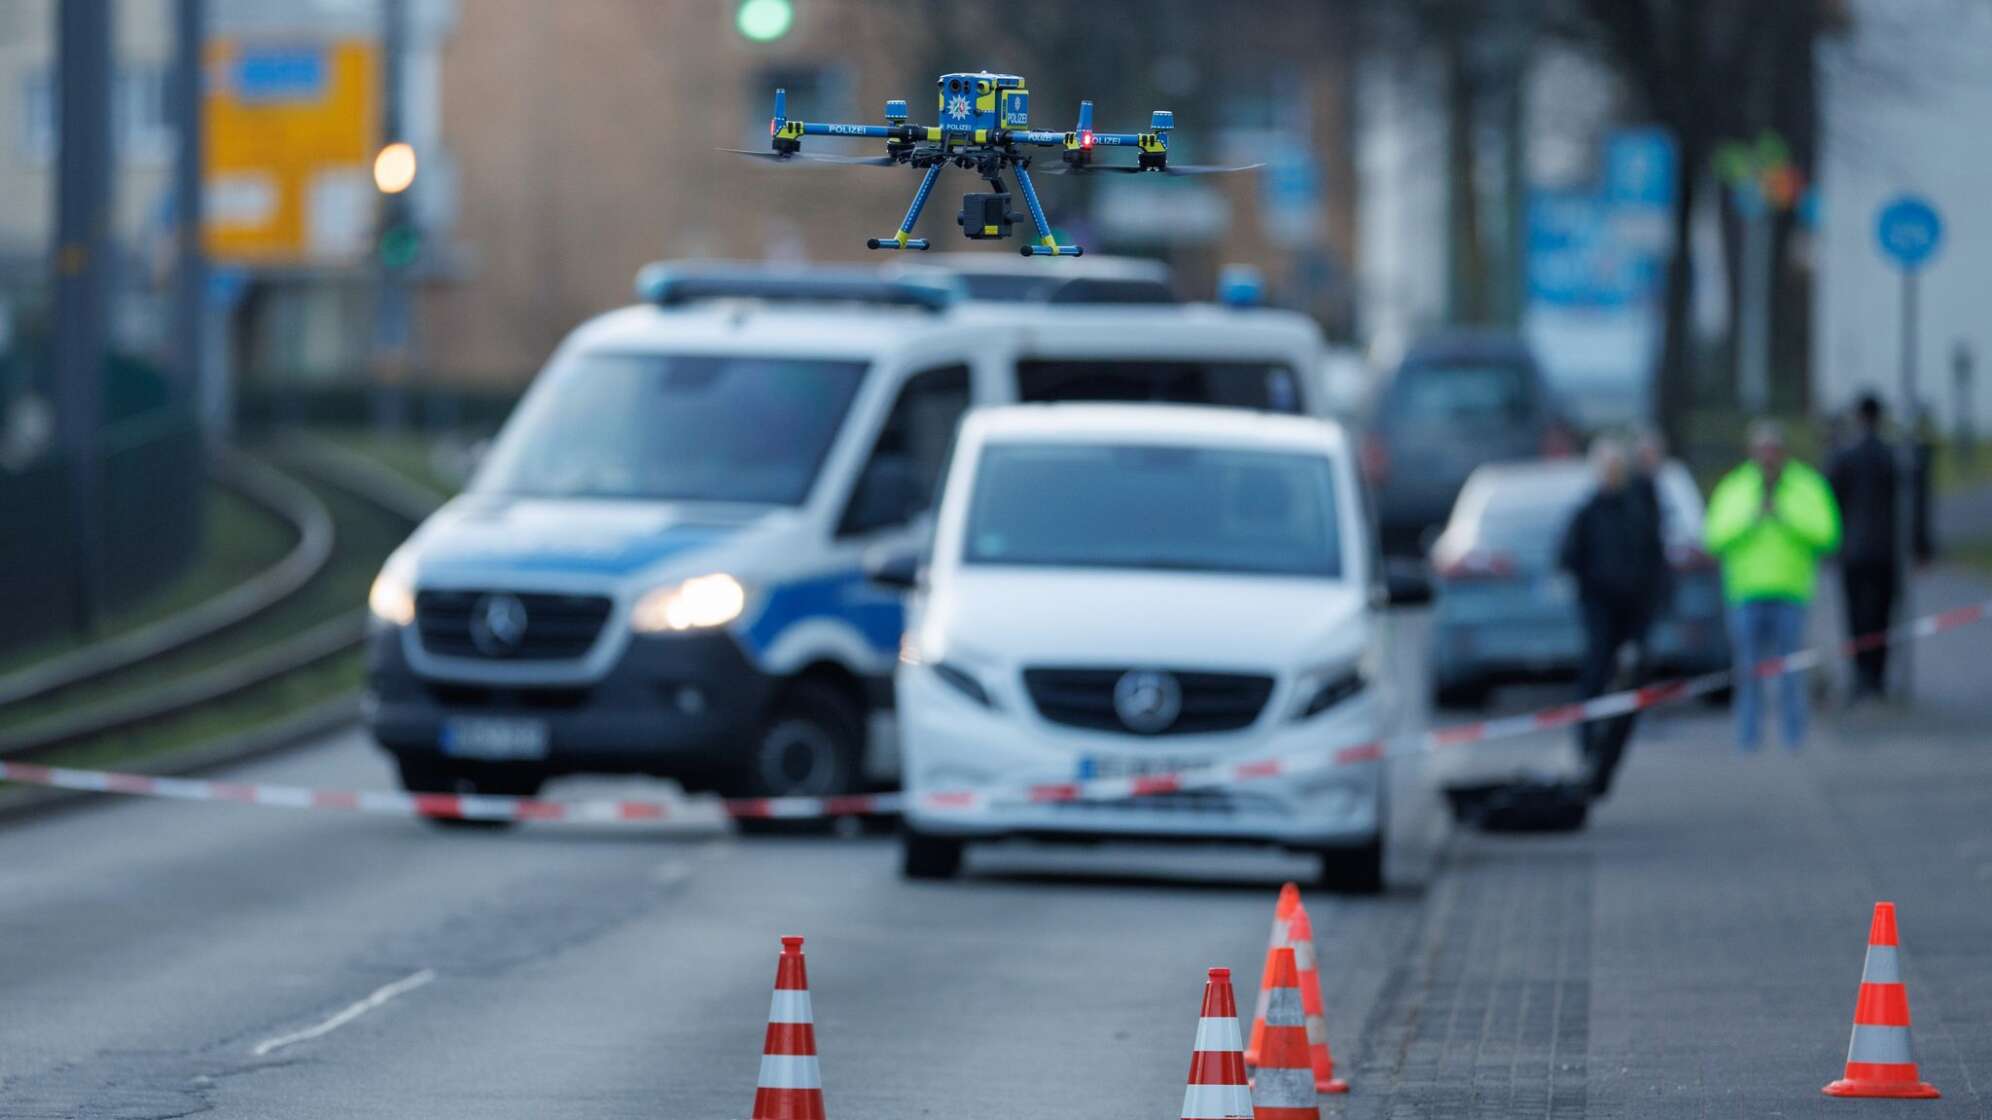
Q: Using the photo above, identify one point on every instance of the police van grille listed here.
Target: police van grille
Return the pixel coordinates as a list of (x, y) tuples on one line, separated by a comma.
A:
[(557, 626), (1212, 702)]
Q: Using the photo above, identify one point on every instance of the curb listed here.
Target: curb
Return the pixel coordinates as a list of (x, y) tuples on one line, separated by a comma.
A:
[(261, 484)]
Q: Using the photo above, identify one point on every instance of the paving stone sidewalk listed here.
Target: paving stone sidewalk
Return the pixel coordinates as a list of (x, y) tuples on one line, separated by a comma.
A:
[(1696, 951)]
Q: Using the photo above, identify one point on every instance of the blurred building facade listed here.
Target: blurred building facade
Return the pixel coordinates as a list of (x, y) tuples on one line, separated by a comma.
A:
[(292, 95), (585, 139)]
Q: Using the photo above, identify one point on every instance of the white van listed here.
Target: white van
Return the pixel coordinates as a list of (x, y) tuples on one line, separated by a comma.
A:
[(657, 568), (1116, 591)]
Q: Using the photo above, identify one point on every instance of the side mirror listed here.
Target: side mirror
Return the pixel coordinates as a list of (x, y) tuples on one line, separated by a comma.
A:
[(896, 568)]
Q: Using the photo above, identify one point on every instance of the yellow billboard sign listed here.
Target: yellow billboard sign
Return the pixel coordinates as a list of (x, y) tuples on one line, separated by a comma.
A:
[(291, 132)]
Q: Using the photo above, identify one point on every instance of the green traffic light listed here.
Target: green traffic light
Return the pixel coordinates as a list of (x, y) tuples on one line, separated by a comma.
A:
[(399, 246), (764, 21)]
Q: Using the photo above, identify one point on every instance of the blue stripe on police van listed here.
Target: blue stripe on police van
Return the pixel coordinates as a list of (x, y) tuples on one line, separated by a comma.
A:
[(624, 558), (875, 613)]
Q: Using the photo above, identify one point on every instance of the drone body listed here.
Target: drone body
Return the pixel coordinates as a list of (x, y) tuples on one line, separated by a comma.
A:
[(985, 128)]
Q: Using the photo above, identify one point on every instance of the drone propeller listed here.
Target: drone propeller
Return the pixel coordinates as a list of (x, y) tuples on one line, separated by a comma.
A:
[(1171, 169), (816, 157)]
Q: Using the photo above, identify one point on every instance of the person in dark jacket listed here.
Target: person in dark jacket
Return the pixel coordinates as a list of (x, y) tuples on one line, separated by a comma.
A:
[(1613, 550), (1864, 480), (1649, 455)]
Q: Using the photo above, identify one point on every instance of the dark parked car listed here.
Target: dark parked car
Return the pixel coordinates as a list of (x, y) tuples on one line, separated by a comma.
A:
[(1504, 612), (1459, 399)]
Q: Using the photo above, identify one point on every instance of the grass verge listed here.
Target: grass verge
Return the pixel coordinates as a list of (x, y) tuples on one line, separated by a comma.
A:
[(262, 706), (363, 536), (419, 459), (1975, 553)]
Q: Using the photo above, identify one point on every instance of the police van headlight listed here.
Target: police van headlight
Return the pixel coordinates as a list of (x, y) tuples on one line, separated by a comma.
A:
[(392, 597), (699, 603)]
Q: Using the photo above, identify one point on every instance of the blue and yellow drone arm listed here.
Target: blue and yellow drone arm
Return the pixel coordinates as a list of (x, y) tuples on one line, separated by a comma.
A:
[(1047, 245), (904, 239)]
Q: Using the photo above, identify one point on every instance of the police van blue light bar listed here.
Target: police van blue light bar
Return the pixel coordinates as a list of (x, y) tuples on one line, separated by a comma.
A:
[(677, 284)]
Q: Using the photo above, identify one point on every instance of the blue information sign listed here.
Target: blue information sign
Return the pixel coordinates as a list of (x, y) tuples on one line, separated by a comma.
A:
[(1910, 231)]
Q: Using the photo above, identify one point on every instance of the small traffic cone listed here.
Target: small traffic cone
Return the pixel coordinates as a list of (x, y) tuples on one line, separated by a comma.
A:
[(791, 1085), (1283, 1085), (1325, 1081), (1880, 1060), (1217, 1089), (1282, 931)]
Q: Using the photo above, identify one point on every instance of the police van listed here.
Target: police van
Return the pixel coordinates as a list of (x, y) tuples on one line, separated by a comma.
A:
[(657, 569)]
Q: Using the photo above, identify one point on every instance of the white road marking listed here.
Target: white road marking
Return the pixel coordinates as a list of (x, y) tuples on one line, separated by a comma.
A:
[(380, 996)]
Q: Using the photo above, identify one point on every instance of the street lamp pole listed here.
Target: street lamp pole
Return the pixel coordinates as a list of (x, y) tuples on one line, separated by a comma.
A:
[(190, 261), (1905, 486), (82, 281), (393, 314)]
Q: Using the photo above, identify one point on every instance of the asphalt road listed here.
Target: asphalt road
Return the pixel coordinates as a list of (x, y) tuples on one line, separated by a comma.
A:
[(1695, 951)]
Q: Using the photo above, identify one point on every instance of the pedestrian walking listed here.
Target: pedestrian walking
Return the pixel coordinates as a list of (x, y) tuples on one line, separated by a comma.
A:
[(1769, 521), (1649, 456), (1864, 481), (1612, 549)]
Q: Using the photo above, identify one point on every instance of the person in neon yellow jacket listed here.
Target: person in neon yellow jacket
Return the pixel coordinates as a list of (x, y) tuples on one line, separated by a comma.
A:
[(1769, 521)]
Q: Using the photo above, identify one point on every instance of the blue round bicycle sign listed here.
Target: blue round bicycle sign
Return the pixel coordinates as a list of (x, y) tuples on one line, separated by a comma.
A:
[(1910, 231)]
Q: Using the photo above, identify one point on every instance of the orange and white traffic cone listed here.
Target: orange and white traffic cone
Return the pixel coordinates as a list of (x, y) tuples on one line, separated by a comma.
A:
[(1880, 1060), (1283, 1085), (1217, 1089), (1282, 931), (791, 1085), (1302, 929)]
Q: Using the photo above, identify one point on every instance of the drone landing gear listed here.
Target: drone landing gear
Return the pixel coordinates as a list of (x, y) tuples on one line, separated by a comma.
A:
[(1047, 245), (904, 239)]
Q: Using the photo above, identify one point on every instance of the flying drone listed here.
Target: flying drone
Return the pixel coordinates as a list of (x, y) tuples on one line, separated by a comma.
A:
[(985, 129)]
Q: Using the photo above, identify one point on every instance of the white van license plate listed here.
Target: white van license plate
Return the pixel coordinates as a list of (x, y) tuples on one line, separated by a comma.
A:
[(494, 738), (1115, 766)]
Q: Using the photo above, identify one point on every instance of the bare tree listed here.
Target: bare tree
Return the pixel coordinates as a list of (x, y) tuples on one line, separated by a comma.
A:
[(1707, 70)]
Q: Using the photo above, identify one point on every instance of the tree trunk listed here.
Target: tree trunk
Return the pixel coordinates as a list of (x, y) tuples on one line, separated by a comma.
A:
[(1468, 268), (1673, 381)]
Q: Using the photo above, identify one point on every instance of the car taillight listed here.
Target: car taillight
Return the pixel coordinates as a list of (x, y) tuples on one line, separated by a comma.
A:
[(1689, 558), (1375, 459), (1474, 564)]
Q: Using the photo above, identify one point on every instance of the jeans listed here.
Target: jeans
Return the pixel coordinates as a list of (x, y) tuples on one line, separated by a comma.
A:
[(1761, 629), (1608, 626)]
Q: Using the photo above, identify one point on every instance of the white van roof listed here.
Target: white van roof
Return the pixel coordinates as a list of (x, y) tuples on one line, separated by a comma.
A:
[(1185, 424)]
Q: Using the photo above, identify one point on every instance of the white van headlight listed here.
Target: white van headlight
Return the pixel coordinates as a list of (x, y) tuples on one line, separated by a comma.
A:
[(392, 597), (699, 603), (1326, 688)]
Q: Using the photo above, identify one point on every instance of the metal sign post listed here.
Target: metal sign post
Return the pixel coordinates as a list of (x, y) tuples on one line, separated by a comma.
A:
[(1909, 230)]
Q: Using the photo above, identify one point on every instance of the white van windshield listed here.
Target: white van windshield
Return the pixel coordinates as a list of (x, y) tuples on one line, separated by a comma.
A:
[(1155, 507), (719, 428)]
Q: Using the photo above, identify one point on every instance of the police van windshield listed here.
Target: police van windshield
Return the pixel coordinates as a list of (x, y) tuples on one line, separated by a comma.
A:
[(1263, 386), (1184, 509), (720, 428)]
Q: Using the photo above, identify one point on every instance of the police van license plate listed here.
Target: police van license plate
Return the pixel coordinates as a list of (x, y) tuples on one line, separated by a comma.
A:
[(1124, 766), (494, 738)]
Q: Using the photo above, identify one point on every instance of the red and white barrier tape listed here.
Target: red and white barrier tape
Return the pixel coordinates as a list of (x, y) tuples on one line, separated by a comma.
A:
[(479, 807)]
